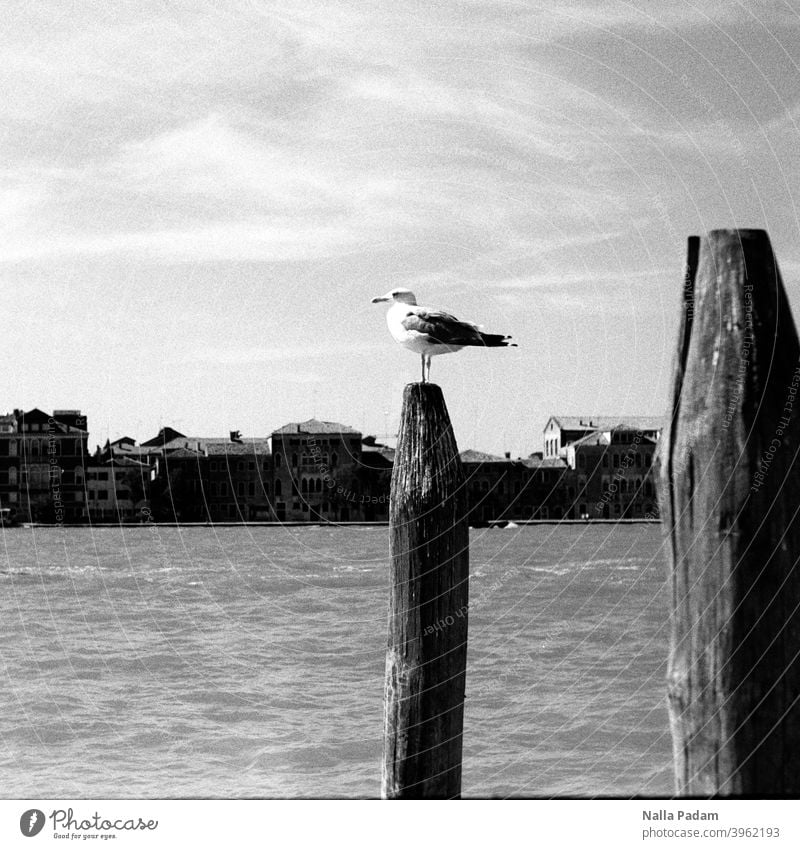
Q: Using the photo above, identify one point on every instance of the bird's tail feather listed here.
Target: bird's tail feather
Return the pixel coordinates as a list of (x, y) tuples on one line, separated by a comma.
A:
[(496, 340)]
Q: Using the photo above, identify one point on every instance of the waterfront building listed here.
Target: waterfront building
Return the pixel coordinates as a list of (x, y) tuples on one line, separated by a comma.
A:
[(116, 489), (42, 462), (9, 464), (561, 431), (375, 479), (499, 488), (202, 479), (239, 479), (613, 474), (317, 472)]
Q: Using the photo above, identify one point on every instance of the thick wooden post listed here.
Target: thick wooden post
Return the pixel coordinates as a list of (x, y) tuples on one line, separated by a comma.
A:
[(730, 500), (427, 651)]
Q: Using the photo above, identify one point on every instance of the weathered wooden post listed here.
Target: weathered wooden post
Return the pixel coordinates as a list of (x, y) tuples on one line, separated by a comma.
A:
[(427, 650), (730, 496)]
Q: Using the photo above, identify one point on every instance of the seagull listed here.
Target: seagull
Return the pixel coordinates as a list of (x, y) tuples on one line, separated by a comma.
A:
[(429, 332)]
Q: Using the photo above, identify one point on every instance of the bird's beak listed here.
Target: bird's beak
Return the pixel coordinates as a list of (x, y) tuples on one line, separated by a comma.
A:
[(381, 298)]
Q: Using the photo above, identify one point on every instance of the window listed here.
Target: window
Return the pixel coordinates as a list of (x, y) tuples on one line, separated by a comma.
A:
[(240, 466), (102, 495), (304, 485), (638, 460), (605, 460), (294, 461), (12, 448), (278, 489), (251, 489), (647, 460), (240, 488), (265, 465), (616, 460), (251, 467), (12, 475), (334, 459), (212, 466), (223, 488), (277, 462), (581, 461)]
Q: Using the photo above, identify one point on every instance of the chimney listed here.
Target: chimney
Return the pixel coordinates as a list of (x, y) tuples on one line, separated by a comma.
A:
[(508, 455), (236, 436)]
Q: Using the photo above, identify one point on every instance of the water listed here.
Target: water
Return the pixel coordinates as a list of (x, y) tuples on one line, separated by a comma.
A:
[(248, 662)]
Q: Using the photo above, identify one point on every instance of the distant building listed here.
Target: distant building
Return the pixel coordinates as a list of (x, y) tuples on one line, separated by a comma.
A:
[(42, 462), (499, 488), (375, 479), (115, 487), (613, 474), (239, 479), (317, 472), (210, 479), (561, 431)]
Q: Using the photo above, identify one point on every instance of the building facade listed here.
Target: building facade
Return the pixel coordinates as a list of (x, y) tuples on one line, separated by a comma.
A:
[(562, 431), (613, 475), (317, 472), (42, 465), (502, 489)]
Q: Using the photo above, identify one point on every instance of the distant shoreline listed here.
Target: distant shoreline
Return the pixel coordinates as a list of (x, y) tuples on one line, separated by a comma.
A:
[(494, 525)]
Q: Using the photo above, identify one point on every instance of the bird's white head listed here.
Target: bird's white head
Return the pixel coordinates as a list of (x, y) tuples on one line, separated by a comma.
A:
[(402, 296)]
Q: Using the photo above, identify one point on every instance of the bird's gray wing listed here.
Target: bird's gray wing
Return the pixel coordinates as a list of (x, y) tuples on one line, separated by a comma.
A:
[(441, 327)]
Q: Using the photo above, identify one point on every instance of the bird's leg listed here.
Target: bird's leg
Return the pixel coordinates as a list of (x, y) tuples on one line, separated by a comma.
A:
[(422, 357)]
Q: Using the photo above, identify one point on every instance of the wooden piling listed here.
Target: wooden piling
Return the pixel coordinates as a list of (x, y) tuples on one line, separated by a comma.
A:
[(730, 500), (427, 648)]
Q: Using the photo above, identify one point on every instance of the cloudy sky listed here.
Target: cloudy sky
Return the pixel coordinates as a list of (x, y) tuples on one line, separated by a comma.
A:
[(198, 200)]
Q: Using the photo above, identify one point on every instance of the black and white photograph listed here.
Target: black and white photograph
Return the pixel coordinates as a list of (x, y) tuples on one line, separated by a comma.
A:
[(400, 401)]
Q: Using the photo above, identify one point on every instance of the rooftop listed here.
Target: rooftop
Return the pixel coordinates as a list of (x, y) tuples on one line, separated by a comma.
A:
[(472, 456), (217, 447), (608, 422), (314, 426)]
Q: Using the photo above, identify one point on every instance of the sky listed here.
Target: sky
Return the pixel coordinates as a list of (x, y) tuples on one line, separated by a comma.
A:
[(198, 201)]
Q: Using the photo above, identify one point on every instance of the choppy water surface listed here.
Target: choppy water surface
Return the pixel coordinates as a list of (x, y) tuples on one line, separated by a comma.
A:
[(248, 662)]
